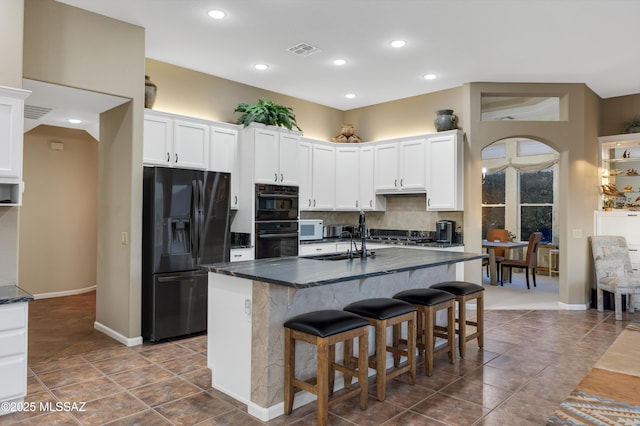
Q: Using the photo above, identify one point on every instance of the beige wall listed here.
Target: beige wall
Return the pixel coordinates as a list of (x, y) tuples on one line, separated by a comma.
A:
[(59, 213), (69, 46), (11, 25), (574, 140), (615, 111), (187, 92)]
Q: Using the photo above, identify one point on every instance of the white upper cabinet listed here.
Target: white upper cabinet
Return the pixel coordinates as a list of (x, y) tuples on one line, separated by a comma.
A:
[(347, 177), (445, 174), (175, 141), (367, 198), (11, 144), (223, 157), (275, 155), (400, 166), (323, 175)]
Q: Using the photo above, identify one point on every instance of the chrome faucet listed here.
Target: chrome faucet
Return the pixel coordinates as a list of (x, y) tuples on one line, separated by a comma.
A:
[(363, 235)]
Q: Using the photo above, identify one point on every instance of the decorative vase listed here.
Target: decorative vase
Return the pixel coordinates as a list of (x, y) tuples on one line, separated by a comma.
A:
[(445, 120), (150, 91)]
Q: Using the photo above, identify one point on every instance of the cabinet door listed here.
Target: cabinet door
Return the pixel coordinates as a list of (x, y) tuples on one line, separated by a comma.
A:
[(386, 167), (288, 159), (323, 177), (190, 144), (412, 166), (223, 157), (266, 156), (346, 181), (305, 168), (11, 136), (157, 141), (366, 180), (445, 173)]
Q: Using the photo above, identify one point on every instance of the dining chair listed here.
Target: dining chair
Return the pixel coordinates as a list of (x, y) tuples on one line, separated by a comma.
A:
[(613, 271), (501, 235), (529, 262)]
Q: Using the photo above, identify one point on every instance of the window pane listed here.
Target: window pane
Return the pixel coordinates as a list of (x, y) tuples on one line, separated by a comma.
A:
[(493, 189), (492, 217), (536, 219), (522, 108), (536, 187)]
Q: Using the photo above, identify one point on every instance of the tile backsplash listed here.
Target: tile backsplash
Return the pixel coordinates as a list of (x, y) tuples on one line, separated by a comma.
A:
[(403, 212)]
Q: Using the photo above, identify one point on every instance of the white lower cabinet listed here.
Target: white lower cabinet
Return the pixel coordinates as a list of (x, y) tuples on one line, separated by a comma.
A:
[(13, 354), (238, 255)]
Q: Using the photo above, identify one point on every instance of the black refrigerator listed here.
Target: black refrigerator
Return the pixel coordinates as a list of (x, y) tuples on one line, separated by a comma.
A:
[(185, 223)]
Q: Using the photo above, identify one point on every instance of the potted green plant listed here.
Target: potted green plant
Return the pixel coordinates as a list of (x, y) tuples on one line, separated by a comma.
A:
[(267, 112), (632, 126)]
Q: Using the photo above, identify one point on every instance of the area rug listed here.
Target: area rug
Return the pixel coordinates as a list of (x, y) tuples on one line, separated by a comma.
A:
[(610, 394)]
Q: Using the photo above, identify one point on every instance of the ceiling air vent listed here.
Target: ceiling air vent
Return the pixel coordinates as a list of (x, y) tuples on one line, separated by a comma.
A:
[(303, 49), (35, 112)]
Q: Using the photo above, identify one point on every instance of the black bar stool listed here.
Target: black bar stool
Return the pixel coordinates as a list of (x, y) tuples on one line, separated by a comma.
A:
[(324, 329), (381, 314), (429, 301), (466, 292)]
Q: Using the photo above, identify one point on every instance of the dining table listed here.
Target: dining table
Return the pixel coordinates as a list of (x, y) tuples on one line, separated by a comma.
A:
[(491, 246)]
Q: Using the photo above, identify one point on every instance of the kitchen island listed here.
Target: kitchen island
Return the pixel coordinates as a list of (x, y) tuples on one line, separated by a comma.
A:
[(249, 301)]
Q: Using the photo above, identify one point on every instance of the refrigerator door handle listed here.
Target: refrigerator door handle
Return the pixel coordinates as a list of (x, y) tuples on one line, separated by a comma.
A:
[(195, 231), (200, 219)]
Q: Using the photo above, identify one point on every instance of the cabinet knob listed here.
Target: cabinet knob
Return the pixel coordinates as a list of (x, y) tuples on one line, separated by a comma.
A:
[(281, 177), (309, 202), (371, 203), (176, 158), (428, 202), (401, 182), (314, 203), (275, 177), (168, 157), (395, 183), (235, 199), (237, 255), (356, 203)]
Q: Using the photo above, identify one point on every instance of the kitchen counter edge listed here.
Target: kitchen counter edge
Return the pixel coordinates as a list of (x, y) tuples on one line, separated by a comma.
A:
[(14, 294), (301, 272)]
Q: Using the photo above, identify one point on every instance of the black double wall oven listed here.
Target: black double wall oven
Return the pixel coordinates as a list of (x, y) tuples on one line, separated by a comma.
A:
[(276, 221)]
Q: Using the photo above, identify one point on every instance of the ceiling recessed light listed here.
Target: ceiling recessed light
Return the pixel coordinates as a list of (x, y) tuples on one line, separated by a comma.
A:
[(261, 67), (398, 43), (429, 76), (74, 121), (339, 62), (216, 14), (350, 95)]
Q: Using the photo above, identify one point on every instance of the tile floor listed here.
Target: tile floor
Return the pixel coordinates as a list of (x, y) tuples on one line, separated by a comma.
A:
[(531, 361)]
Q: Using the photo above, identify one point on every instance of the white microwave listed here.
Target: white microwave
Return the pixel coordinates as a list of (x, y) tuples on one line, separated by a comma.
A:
[(310, 229)]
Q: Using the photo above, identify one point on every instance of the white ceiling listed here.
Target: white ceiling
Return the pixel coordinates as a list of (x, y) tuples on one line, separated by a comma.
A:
[(567, 41)]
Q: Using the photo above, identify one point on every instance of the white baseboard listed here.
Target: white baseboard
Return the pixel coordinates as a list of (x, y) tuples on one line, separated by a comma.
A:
[(573, 306), (64, 293), (127, 341)]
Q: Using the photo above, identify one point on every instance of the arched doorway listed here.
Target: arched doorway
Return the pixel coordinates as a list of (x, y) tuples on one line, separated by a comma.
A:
[(520, 194)]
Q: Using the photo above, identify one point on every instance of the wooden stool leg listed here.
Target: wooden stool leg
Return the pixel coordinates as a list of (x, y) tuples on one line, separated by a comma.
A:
[(451, 331), (380, 359), (363, 368), (289, 371), (462, 326), (397, 334), (429, 344), (411, 350), (348, 361), (332, 371), (323, 382), (480, 319)]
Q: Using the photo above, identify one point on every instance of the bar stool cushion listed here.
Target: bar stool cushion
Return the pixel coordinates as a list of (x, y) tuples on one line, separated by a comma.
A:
[(326, 323), (459, 288), (424, 296), (380, 308)]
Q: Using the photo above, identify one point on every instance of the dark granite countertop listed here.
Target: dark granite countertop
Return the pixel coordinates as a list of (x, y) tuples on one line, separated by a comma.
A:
[(392, 243), (302, 272), (13, 294)]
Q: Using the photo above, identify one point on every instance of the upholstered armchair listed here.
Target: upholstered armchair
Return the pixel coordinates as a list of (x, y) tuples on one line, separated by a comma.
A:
[(613, 271)]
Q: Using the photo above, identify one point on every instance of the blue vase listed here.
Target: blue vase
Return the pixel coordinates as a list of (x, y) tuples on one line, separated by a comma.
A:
[(445, 120)]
